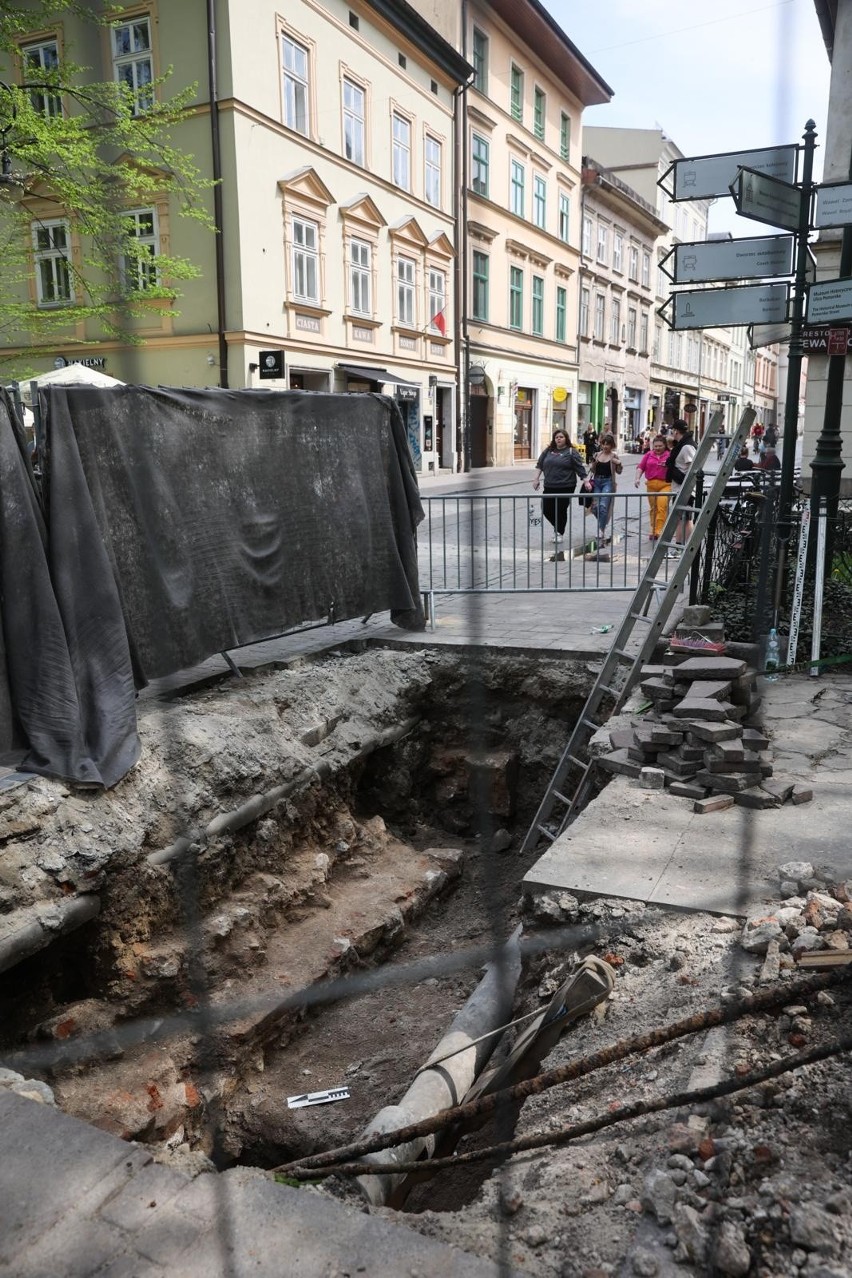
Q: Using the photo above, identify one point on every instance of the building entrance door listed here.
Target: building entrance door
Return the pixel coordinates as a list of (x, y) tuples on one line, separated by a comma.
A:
[(523, 425), (478, 427)]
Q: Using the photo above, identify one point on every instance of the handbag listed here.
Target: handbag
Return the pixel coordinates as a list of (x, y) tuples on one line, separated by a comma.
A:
[(587, 486)]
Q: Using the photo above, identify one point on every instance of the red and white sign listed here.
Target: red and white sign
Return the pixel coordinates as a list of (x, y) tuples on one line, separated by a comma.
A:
[(838, 341)]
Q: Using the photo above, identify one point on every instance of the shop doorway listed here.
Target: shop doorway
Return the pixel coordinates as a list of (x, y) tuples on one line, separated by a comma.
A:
[(478, 427), (523, 424)]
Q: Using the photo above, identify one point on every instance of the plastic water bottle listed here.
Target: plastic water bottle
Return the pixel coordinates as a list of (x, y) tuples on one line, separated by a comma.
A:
[(773, 657)]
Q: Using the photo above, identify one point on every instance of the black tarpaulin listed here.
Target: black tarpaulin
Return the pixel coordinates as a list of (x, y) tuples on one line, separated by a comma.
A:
[(230, 516), (67, 663)]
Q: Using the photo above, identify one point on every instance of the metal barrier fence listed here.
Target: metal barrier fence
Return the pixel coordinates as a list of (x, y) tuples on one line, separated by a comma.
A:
[(470, 544)]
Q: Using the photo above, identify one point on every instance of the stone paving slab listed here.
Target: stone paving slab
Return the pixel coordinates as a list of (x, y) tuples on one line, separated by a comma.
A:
[(652, 847), (77, 1201)]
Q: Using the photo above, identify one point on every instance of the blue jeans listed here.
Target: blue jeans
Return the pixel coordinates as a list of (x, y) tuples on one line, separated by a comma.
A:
[(604, 489)]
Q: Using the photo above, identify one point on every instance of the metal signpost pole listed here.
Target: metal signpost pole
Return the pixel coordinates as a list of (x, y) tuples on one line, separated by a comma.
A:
[(827, 462), (794, 366)]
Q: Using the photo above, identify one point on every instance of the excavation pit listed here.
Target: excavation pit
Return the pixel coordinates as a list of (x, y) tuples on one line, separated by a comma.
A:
[(349, 817)]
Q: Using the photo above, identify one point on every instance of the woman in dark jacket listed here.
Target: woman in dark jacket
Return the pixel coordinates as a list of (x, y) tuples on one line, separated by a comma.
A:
[(561, 466)]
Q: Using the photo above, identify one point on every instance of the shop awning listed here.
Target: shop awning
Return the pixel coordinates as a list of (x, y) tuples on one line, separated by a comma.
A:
[(365, 374)]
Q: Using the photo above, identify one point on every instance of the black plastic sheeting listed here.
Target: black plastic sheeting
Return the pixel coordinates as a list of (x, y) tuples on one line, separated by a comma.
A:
[(183, 523)]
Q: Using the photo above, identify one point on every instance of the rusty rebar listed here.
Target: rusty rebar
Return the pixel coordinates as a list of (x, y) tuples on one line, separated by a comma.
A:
[(524, 1144), (724, 1014)]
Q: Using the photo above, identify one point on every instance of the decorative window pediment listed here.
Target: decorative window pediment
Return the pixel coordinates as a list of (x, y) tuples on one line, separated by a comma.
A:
[(441, 245), (479, 231), (307, 186), (363, 209), (408, 232)]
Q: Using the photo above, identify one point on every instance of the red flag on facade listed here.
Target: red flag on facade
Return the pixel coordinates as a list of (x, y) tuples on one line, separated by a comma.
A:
[(440, 323)]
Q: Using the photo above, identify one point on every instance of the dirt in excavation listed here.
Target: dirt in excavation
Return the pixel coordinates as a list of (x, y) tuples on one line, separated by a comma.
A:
[(375, 1043)]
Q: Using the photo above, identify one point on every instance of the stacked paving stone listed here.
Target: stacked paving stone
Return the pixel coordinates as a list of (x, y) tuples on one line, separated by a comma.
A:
[(703, 739)]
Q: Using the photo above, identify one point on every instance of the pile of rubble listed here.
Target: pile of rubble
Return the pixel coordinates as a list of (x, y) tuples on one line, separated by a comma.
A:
[(702, 736), (811, 927)]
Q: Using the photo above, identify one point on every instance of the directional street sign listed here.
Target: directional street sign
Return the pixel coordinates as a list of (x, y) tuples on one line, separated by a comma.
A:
[(768, 334), (727, 307), (817, 339), (834, 204), (830, 300), (757, 257), (707, 176), (765, 199)]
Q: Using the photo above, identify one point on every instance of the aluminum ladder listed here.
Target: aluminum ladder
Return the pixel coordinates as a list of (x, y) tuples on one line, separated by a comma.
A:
[(651, 605)]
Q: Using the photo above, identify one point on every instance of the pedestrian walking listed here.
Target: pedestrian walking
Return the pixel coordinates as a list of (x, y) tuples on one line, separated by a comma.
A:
[(606, 465), (770, 435), (657, 483), (590, 443), (679, 461), (560, 465)]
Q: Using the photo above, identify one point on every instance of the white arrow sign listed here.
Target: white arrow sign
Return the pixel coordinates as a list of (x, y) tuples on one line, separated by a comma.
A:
[(711, 175), (727, 307), (763, 199), (830, 300), (834, 205), (747, 259)]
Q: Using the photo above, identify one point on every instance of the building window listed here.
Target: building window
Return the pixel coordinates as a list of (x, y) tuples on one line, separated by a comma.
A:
[(517, 93), (138, 266), (437, 302), (646, 269), (480, 286), (432, 174), (353, 122), (480, 60), (540, 202), (517, 200), (405, 291), (539, 108), (600, 316), (53, 275), (564, 218), (401, 152), (133, 65), (360, 277), (633, 269), (603, 238), (587, 237), (305, 260), (615, 323), (39, 60), (584, 312), (562, 313), (631, 327), (565, 137), (516, 297), (617, 251), (538, 305), (480, 160), (643, 333)]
